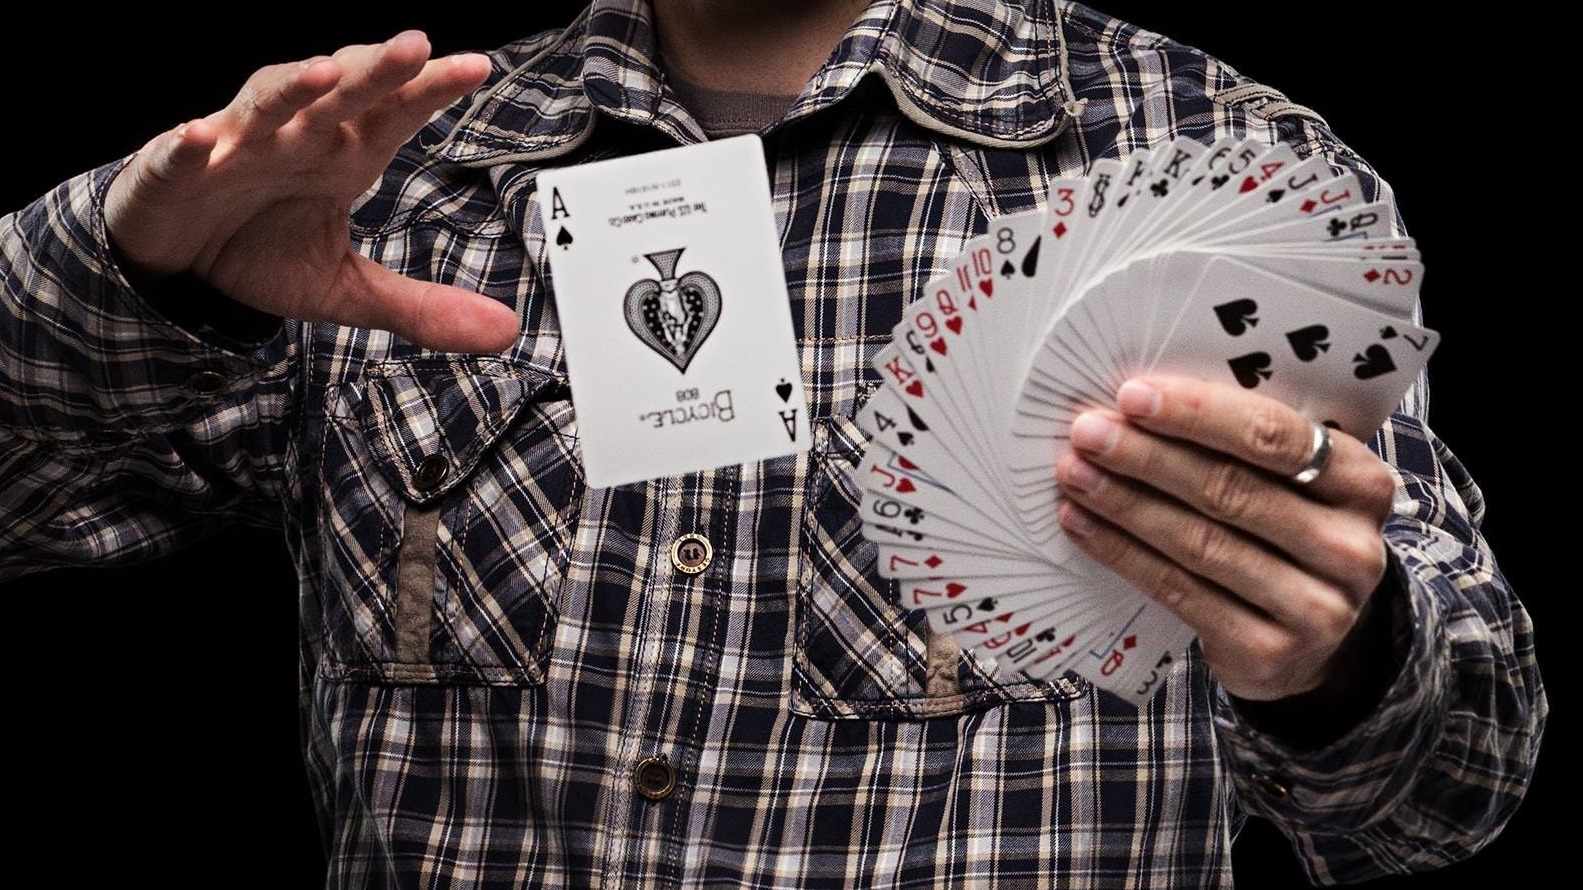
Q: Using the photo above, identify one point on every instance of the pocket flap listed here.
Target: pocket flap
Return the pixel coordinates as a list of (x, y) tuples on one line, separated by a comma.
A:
[(428, 421)]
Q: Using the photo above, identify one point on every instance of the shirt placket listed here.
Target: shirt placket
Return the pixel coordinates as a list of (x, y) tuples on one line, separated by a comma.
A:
[(673, 675)]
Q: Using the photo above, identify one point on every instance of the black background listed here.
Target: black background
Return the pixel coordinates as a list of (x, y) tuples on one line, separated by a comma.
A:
[(154, 706)]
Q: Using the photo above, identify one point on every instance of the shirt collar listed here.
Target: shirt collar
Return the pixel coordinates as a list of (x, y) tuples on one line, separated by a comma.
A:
[(989, 73)]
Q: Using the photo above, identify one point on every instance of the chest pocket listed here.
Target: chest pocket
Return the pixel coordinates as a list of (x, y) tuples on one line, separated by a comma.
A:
[(859, 652), (451, 493)]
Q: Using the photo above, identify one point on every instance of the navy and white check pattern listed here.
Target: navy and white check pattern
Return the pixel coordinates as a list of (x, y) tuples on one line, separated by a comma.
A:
[(490, 646)]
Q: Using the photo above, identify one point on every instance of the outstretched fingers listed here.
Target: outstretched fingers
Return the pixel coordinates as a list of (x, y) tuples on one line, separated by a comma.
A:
[(274, 95), (441, 82), (395, 84), (391, 88)]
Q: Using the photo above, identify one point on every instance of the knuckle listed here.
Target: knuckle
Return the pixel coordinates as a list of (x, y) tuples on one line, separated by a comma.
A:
[(1268, 649), (1369, 563), (248, 99), (1332, 616), (1354, 553), (1213, 547), (1378, 490), (1140, 456), (1168, 584), (1272, 441), (1231, 493)]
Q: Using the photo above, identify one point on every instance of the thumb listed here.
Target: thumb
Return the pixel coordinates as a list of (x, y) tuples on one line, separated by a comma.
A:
[(431, 315)]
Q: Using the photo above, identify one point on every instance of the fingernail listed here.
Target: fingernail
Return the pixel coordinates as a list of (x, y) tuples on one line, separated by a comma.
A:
[(1080, 475), (1076, 521), (1094, 432), (1138, 399)]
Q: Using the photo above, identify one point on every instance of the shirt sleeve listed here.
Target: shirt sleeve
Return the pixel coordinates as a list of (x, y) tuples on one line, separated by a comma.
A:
[(122, 433), (1440, 766)]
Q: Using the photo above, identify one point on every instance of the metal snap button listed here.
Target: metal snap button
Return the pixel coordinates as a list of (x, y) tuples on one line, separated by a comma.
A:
[(654, 777), (206, 383), (691, 553), (1270, 785), (430, 472)]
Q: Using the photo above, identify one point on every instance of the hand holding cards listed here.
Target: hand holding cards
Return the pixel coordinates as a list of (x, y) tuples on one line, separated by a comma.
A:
[(671, 294), (1237, 262)]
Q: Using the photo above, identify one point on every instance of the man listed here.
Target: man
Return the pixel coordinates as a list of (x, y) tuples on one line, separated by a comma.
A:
[(264, 225)]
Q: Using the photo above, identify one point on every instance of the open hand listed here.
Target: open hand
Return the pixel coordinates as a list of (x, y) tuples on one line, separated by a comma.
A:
[(255, 198)]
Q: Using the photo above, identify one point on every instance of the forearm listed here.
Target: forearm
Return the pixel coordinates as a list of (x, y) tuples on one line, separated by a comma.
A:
[(103, 400)]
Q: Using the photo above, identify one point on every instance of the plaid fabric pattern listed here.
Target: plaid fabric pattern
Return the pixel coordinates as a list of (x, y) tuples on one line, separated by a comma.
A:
[(490, 646)]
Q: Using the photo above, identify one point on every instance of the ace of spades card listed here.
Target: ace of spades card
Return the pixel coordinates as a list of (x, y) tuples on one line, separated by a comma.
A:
[(668, 281)]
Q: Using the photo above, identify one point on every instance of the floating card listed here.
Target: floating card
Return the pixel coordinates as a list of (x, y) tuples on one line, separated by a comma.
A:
[(669, 284)]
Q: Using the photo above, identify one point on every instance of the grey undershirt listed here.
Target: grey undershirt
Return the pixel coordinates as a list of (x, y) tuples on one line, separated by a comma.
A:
[(724, 113)]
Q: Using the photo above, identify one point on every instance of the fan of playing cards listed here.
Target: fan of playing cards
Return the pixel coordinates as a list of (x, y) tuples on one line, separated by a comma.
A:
[(1237, 261)]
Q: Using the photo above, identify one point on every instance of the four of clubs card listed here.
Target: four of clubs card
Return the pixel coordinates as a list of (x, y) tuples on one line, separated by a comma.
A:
[(667, 275)]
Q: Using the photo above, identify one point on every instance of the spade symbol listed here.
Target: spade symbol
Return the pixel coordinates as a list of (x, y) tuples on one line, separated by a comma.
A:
[(1046, 636), (564, 238), (987, 605), (904, 438), (673, 314), (783, 389), (1372, 362), (1237, 316), (1030, 260), (1007, 269), (1251, 369), (1308, 343)]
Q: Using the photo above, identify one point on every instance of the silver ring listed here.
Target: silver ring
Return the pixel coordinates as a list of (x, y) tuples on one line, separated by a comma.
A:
[(1318, 459)]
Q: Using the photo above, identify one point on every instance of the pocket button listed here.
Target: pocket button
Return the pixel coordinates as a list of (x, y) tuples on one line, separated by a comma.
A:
[(430, 472), (691, 553)]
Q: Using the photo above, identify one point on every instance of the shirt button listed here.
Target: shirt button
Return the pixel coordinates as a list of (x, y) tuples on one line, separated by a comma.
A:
[(1270, 785), (206, 383), (655, 777), (430, 472), (691, 553)]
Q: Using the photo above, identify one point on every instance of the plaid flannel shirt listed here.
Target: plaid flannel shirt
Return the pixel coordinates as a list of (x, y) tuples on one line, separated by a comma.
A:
[(508, 682)]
